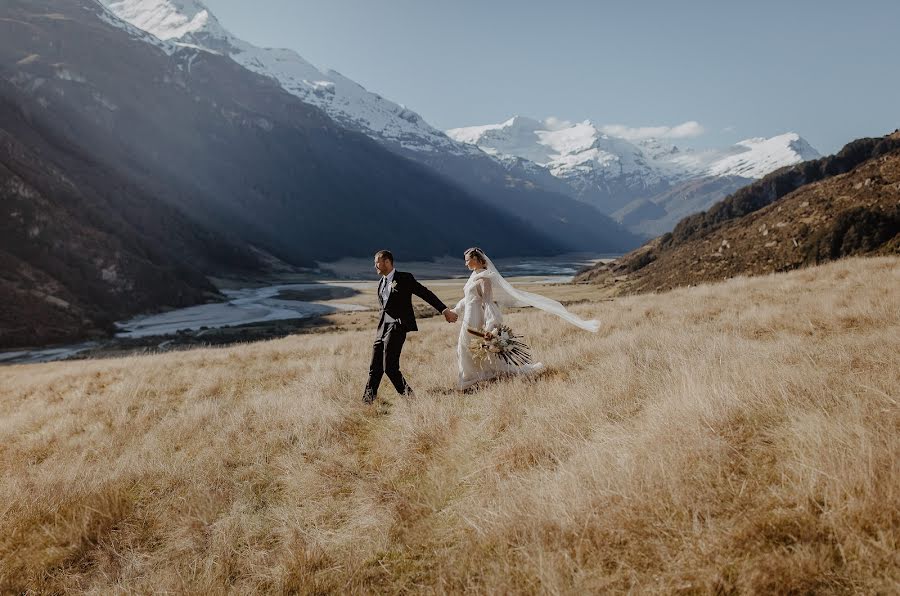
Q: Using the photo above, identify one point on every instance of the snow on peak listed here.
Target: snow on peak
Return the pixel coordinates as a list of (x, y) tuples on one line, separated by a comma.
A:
[(167, 19), (344, 100), (750, 158), (657, 149), (538, 140), (761, 156), (576, 138), (106, 14), (567, 149), (519, 136)]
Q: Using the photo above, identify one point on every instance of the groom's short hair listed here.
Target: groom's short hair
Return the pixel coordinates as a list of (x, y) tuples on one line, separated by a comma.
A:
[(385, 255)]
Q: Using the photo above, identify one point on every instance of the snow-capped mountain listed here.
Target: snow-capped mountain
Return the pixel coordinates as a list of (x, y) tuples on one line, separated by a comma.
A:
[(496, 162), (750, 158), (167, 19), (599, 169), (578, 147), (189, 22), (582, 148), (511, 185), (610, 172)]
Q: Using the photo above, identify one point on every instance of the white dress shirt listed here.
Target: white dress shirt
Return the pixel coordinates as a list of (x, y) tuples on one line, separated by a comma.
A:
[(386, 293)]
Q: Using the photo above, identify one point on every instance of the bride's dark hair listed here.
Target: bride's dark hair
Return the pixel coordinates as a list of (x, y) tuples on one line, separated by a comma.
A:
[(477, 253)]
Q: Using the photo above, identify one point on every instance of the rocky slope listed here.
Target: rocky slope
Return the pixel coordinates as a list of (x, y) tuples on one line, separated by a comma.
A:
[(80, 246), (842, 205)]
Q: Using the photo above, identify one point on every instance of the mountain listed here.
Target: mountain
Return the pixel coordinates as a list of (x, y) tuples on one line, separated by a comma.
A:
[(134, 167), (751, 158), (601, 170), (659, 214), (191, 23), (611, 173), (81, 246), (515, 188), (235, 151), (841, 205)]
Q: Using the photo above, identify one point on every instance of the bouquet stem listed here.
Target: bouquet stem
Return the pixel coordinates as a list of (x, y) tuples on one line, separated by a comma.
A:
[(501, 343)]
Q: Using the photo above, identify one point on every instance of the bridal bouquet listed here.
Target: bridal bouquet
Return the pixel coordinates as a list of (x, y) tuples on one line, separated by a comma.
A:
[(499, 342)]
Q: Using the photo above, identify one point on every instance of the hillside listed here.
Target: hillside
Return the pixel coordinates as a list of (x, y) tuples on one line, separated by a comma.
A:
[(842, 205), (232, 149), (731, 438), (660, 213), (82, 247), (515, 191)]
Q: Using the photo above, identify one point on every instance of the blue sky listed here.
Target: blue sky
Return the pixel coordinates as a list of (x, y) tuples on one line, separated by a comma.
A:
[(827, 70)]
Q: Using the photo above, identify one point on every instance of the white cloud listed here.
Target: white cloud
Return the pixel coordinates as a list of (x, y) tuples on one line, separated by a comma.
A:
[(554, 123), (729, 129), (684, 130)]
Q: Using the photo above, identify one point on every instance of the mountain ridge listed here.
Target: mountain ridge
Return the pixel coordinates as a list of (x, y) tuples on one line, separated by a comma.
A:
[(847, 204), (611, 172), (81, 246), (513, 188), (568, 146), (181, 21)]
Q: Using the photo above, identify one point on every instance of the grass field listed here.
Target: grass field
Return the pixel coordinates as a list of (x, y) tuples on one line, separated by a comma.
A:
[(734, 438)]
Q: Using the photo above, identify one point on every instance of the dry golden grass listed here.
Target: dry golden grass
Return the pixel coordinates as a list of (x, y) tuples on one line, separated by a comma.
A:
[(742, 437)]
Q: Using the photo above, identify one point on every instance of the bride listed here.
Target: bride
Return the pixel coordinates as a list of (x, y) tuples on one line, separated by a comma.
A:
[(484, 293)]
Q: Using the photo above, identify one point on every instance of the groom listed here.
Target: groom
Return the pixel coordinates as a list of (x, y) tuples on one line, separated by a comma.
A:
[(395, 291)]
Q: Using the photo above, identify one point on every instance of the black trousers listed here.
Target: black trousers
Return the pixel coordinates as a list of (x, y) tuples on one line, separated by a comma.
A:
[(386, 359)]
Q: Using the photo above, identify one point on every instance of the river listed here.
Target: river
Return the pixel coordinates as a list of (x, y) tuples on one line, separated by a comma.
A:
[(284, 301)]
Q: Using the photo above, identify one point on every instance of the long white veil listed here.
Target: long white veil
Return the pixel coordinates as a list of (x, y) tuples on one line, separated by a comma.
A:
[(506, 295)]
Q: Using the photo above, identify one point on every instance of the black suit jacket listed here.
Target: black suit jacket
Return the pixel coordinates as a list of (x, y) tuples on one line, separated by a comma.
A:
[(399, 302)]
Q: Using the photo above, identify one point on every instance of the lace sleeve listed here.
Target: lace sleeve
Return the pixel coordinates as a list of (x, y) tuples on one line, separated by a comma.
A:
[(460, 307), (492, 316)]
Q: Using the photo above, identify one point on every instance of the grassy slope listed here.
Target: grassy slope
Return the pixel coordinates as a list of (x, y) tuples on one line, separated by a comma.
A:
[(843, 205), (741, 436)]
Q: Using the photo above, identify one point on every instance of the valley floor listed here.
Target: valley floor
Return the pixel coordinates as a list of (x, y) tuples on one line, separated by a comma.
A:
[(739, 437)]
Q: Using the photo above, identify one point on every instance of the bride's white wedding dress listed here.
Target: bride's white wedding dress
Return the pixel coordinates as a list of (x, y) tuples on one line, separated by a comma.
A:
[(483, 295), (478, 310)]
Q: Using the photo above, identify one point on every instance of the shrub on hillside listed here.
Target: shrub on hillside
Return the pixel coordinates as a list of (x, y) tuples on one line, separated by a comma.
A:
[(855, 231)]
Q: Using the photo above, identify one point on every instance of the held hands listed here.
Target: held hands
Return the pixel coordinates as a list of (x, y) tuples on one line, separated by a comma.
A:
[(450, 315)]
